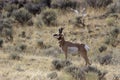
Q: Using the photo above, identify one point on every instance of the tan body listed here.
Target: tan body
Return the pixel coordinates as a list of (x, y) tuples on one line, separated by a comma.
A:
[(65, 45), (81, 49)]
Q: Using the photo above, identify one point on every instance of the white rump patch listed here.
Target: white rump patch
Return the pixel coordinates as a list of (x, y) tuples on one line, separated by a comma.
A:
[(87, 47), (72, 50)]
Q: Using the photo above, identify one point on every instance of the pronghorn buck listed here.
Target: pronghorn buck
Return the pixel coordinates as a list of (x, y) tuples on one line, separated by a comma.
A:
[(69, 47)]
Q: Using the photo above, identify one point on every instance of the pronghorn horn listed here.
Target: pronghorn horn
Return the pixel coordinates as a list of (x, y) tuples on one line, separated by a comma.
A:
[(60, 30)]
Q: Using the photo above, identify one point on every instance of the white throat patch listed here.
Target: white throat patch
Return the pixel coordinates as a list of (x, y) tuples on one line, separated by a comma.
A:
[(72, 50), (56, 36)]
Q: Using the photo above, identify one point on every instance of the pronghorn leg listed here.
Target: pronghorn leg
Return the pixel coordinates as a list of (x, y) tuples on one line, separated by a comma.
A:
[(88, 60), (65, 55), (78, 54), (84, 55), (65, 52)]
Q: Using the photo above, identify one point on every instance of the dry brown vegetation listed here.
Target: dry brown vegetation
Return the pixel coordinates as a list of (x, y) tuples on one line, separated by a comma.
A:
[(27, 51)]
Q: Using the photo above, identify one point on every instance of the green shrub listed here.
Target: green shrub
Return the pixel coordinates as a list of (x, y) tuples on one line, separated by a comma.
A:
[(33, 8), (7, 25), (6, 22), (59, 64), (106, 59), (22, 47), (36, 6), (30, 22), (36, 1), (64, 4), (1, 42), (8, 32), (107, 40), (22, 15), (76, 72), (6, 28), (78, 21), (49, 17), (110, 21), (1, 5), (38, 22), (98, 3), (102, 48), (10, 7), (14, 56), (112, 38), (5, 14), (115, 32), (114, 7), (52, 75), (40, 43), (43, 3)]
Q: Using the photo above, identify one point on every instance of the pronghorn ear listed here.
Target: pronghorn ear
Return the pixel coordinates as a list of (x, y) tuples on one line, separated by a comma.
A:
[(61, 30)]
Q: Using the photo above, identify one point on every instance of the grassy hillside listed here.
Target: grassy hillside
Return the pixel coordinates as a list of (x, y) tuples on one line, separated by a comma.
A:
[(29, 55)]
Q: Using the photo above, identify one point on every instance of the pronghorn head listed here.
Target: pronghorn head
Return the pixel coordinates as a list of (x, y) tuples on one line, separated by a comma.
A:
[(59, 36)]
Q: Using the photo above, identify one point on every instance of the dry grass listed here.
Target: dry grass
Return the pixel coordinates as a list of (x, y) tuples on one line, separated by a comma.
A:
[(30, 67), (35, 66)]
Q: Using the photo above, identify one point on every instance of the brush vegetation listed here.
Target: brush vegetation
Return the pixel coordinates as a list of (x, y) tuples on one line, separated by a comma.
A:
[(28, 50)]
